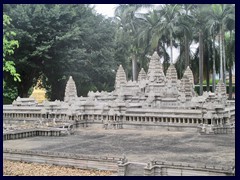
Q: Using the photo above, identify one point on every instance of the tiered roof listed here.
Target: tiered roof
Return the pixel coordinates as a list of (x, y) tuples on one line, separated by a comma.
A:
[(120, 78), (70, 90), (187, 87), (142, 75), (189, 74), (221, 88), (172, 74), (155, 71)]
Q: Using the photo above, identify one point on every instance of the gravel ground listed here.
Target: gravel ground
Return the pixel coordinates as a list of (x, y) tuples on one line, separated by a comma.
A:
[(11, 168), (139, 145)]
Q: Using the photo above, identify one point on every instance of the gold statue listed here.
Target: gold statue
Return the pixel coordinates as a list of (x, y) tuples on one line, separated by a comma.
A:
[(39, 93)]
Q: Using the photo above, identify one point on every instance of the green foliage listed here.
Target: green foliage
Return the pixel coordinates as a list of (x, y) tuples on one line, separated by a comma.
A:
[(230, 48), (9, 93), (63, 40), (130, 29), (9, 45), (205, 82)]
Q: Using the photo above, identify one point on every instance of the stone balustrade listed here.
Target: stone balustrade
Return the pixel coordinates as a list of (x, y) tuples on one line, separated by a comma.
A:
[(19, 134)]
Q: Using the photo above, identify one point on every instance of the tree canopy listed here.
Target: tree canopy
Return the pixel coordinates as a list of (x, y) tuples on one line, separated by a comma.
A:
[(9, 45), (57, 41), (54, 41)]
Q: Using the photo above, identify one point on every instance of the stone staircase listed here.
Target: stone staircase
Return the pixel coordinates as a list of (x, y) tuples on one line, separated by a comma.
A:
[(135, 169)]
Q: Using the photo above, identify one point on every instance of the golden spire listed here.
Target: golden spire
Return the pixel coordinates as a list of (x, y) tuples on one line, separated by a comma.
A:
[(39, 93)]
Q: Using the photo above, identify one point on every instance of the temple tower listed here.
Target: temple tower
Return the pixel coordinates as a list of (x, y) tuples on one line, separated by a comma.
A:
[(70, 90), (221, 89), (189, 74), (171, 74), (155, 71), (152, 63), (121, 79), (187, 88), (142, 75)]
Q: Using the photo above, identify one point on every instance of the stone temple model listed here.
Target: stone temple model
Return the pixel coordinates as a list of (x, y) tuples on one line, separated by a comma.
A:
[(154, 101)]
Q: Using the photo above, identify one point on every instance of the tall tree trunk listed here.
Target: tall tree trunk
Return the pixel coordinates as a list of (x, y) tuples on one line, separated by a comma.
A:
[(207, 65), (230, 82), (186, 51), (171, 47), (201, 62), (214, 66), (224, 56), (221, 55), (181, 68), (134, 68), (230, 70), (164, 64)]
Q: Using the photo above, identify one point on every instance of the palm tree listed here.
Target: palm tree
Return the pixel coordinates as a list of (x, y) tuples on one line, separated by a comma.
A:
[(184, 35), (149, 38), (212, 29), (185, 22), (147, 23), (158, 31), (126, 14), (230, 46), (220, 15), (230, 52), (207, 57), (200, 22), (167, 25)]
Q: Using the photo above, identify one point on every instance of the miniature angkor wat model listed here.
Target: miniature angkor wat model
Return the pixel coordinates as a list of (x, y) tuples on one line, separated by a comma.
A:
[(155, 100)]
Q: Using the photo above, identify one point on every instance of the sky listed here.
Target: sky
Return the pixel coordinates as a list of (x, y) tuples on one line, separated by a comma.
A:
[(108, 9), (105, 9)]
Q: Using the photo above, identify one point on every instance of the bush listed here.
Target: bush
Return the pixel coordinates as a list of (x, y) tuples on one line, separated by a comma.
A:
[(7, 100)]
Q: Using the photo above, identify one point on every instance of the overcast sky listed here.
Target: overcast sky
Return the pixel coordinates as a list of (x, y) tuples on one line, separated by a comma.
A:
[(108, 9), (105, 9)]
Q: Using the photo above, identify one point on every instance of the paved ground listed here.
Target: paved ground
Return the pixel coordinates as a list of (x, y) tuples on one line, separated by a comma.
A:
[(138, 145)]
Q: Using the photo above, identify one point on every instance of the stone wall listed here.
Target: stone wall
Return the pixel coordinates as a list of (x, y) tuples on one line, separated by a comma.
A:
[(145, 126), (155, 168), (63, 159), (116, 164), (167, 169), (166, 127)]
